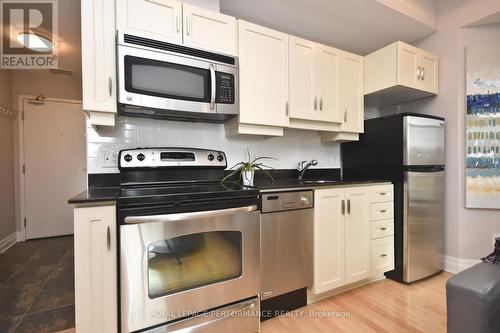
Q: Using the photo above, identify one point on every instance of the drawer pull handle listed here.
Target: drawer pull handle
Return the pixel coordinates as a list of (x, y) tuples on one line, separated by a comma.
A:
[(383, 210), (383, 255), (108, 238), (383, 228), (383, 193)]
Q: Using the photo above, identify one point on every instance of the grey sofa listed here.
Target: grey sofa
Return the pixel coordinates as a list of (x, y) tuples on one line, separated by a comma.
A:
[(473, 300)]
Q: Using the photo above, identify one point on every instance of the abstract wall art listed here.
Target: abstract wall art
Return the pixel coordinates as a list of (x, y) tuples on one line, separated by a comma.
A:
[(483, 127)]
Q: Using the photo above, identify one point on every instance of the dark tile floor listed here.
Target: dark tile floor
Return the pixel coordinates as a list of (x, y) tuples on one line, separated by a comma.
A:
[(37, 286)]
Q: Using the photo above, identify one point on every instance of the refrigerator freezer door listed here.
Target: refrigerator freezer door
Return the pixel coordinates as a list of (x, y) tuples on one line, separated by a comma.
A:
[(423, 141), (423, 224)]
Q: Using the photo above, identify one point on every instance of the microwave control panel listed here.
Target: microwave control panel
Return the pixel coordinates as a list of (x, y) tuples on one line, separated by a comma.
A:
[(225, 88)]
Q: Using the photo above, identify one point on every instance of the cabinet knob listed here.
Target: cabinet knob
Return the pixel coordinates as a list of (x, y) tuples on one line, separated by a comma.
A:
[(315, 102), (321, 103)]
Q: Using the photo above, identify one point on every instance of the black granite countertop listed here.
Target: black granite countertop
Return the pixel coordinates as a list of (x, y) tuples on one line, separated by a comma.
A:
[(96, 195), (281, 180)]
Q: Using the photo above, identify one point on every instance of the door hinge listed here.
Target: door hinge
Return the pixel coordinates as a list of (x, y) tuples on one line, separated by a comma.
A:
[(39, 100), (24, 223), (22, 115), (24, 169)]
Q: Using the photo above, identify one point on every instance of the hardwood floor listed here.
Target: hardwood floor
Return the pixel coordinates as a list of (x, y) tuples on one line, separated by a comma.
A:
[(384, 306)]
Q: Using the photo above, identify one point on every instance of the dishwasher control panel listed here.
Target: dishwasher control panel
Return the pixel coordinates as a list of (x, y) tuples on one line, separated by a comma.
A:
[(283, 201)]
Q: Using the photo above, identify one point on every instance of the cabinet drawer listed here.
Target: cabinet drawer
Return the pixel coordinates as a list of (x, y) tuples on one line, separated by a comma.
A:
[(382, 211), (382, 193), (383, 255), (382, 228)]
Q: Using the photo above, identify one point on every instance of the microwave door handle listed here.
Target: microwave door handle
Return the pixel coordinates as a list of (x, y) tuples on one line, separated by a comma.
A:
[(212, 86)]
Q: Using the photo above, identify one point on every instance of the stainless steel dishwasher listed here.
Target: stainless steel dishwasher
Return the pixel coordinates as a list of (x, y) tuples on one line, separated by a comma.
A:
[(286, 242)]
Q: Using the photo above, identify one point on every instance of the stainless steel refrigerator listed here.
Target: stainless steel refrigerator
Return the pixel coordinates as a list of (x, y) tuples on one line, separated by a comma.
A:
[(409, 150)]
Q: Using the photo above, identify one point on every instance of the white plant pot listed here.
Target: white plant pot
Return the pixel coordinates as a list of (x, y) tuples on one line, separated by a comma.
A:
[(247, 177)]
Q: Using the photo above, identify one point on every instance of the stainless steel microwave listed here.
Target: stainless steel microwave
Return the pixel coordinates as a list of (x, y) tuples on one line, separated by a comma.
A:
[(163, 80)]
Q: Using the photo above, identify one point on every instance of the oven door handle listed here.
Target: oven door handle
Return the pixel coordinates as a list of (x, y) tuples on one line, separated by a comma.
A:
[(212, 87), (188, 216)]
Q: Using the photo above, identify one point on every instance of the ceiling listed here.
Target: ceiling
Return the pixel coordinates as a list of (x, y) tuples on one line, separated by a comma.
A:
[(359, 26)]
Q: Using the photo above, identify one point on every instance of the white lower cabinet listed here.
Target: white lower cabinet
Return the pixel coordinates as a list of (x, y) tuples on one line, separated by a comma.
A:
[(357, 234), (96, 286), (348, 245)]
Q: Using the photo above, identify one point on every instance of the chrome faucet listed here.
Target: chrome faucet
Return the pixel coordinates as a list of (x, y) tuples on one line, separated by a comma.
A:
[(302, 169)]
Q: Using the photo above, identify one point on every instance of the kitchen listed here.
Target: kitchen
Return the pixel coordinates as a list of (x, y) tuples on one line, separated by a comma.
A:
[(244, 171)]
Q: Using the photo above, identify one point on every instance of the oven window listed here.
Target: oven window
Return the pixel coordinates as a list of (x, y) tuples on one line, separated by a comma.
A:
[(168, 80), (193, 260)]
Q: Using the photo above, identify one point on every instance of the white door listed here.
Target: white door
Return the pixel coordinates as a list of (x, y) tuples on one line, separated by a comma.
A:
[(155, 19), (329, 251), (352, 96), (329, 65), (209, 30), (303, 98), (357, 234), (264, 73), (54, 159)]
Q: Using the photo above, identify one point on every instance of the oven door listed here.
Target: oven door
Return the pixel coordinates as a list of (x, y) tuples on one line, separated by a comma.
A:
[(175, 265)]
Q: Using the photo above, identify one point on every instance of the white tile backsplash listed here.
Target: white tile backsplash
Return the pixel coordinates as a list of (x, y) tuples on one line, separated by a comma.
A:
[(129, 132)]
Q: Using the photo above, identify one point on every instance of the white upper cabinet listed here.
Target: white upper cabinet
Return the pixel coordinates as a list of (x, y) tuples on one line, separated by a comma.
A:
[(329, 83), (352, 93), (303, 79), (263, 55), (209, 30), (174, 22), (155, 19), (314, 81), (400, 73), (98, 61)]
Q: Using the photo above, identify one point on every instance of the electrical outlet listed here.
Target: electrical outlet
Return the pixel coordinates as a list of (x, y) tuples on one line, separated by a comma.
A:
[(110, 159)]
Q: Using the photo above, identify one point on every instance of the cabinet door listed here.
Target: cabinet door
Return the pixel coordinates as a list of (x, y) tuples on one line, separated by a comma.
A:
[(357, 234), (429, 77), (407, 63), (98, 56), (329, 81), (303, 97), (352, 93), (96, 288), (264, 73), (156, 19), (209, 30), (329, 241)]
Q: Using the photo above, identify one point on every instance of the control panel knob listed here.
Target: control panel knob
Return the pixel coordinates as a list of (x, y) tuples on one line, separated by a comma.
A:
[(141, 157), (210, 157), (127, 158), (220, 158)]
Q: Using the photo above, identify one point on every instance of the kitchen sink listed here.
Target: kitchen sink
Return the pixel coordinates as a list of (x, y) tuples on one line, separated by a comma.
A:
[(319, 181)]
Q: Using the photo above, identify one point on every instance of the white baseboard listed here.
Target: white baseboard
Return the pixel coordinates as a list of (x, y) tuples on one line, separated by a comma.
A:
[(455, 265), (312, 298), (8, 242), (19, 236)]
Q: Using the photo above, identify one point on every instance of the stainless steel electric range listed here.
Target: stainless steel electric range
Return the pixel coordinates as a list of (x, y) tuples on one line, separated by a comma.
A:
[(189, 246)]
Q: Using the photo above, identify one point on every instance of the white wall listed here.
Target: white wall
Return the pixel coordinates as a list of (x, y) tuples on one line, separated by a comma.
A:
[(7, 225), (468, 231), (131, 132)]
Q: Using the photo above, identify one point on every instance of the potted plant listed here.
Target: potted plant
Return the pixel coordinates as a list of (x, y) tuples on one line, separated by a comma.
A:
[(247, 169)]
